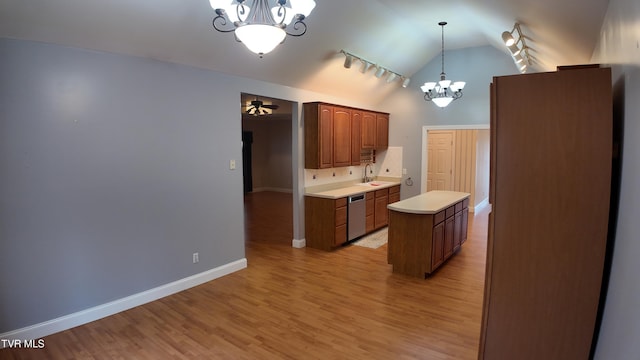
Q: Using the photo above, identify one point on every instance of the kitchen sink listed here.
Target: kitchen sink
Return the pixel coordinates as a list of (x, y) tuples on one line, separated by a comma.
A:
[(376, 183)]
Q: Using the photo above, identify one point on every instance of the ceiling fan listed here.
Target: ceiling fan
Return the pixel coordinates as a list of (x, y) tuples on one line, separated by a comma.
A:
[(257, 107)]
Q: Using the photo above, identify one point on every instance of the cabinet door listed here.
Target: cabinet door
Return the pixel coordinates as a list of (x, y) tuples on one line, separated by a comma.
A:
[(326, 136), (382, 131), (465, 225), (457, 230), (381, 216), (368, 130), (448, 237), (370, 211), (356, 136), (437, 253), (341, 137), (341, 225)]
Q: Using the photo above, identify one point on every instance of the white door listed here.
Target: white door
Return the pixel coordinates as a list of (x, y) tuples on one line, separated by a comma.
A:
[(440, 160)]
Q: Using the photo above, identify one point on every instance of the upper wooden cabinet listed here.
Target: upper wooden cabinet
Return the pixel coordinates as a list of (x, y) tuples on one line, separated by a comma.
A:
[(375, 130), (335, 135)]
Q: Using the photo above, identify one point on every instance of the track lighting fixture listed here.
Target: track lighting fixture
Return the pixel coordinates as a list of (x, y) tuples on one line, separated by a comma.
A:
[(391, 76), (517, 47)]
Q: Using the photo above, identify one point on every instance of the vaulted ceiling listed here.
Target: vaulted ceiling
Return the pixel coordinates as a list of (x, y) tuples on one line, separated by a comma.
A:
[(401, 35)]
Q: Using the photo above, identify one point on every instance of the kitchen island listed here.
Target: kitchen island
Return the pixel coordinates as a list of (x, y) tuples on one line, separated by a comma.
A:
[(425, 230)]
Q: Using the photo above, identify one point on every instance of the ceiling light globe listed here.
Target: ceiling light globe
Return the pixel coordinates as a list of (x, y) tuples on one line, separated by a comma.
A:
[(444, 83), (303, 7), (219, 4), (259, 38), (428, 86), (442, 101), (458, 85)]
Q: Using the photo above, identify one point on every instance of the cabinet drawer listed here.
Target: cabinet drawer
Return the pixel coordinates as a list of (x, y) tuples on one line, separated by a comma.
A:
[(381, 193), (341, 202), (394, 189), (458, 207), (341, 215), (438, 217), (450, 211), (465, 203)]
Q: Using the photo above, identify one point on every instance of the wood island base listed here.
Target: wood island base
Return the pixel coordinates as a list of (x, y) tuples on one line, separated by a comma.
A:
[(422, 240)]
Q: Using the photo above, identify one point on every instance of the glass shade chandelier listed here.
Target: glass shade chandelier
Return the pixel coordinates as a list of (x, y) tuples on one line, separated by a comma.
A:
[(262, 24), (443, 92)]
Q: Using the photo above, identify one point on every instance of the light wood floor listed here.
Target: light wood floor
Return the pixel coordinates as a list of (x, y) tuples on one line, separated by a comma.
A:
[(297, 304)]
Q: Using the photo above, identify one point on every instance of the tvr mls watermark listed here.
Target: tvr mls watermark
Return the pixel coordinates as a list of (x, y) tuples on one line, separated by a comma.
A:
[(22, 344)]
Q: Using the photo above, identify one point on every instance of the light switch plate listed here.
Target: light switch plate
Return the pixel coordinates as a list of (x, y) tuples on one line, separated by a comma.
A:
[(232, 164)]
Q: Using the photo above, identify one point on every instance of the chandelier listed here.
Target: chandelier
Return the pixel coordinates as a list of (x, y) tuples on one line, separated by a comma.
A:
[(443, 92), (264, 24)]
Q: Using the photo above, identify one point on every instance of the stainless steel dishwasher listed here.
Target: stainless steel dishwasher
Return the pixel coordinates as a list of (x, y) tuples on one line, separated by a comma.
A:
[(356, 216)]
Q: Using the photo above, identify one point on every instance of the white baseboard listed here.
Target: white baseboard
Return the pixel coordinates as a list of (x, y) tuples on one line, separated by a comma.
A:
[(299, 243), (66, 322), (484, 203)]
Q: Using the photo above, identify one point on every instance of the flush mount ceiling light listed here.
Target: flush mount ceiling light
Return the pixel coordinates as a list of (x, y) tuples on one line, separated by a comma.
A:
[(262, 24), (517, 47), (391, 76), (443, 92)]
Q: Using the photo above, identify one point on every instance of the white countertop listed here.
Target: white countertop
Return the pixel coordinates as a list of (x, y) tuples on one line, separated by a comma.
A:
[(352, 189), (428, 203)]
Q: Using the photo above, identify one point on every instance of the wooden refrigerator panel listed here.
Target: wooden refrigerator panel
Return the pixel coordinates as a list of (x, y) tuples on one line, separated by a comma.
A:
[(550, 174)]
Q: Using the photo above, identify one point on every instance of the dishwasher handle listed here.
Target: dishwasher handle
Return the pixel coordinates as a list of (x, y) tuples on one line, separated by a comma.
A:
[(356, 198)]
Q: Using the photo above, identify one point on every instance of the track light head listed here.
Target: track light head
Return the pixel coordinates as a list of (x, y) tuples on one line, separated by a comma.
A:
[(508, 39), (348, 61)]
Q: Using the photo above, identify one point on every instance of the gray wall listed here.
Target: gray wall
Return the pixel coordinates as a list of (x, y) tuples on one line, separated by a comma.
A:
[(111, 174), (115, 169), (410, 112), (618, 46)]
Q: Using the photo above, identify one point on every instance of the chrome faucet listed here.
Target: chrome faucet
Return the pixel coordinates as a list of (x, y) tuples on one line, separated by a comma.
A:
[(366, 177)]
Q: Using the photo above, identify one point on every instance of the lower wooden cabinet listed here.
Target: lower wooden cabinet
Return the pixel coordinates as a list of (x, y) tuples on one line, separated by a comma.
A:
[(325, 222), (326, 219)]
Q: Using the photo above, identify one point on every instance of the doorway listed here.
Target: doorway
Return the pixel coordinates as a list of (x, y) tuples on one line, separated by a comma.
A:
[(457, 158), (267, 168)]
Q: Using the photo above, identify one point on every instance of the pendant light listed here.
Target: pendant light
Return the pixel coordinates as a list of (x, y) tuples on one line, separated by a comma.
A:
[(443, 92)]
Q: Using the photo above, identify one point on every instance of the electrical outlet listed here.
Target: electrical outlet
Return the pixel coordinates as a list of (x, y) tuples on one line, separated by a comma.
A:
[(404, 171), (195, 258)]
